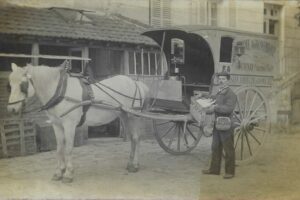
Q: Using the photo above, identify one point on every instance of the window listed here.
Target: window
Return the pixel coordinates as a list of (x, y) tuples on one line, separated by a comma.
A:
[(77, 65), (160, 13), (213, 14), (144, 63), (271, 19), (226, 49)]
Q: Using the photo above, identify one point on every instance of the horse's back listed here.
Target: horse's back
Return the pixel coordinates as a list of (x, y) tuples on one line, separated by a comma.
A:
[(120, 89)]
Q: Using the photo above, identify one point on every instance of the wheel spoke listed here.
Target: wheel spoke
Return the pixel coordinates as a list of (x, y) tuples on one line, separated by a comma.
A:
[(245, 105), (254, 138), (172, 138), (256, 119), (190, 132), (258, 107), (242, 145), (237, 117), (238, 137), (247, 140), (252, 104), (179, 131), (186, 141), (260, 129), (168, 131), (239, 106)]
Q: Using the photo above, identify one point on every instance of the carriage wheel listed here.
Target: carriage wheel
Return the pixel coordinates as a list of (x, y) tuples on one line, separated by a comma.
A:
[(251, 121), (175, 138)]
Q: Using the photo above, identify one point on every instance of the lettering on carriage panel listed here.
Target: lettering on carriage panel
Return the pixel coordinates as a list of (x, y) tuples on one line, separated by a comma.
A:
[(251, 80), (258, 58)]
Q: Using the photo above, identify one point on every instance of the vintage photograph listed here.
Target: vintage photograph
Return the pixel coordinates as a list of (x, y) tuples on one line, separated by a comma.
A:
[(150, 99)]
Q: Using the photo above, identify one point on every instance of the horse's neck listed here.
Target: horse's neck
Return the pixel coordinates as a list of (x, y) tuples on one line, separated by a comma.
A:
[(45, 81)]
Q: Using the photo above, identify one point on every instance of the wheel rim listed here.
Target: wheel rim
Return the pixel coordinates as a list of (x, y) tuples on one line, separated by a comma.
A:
[(252, 123), (172, 137)]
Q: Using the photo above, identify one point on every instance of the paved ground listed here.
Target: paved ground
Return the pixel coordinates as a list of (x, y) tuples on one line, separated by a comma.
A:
[(100, 174)]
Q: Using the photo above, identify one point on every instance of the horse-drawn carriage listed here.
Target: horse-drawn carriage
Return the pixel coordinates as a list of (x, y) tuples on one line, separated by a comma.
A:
[(193, 55)]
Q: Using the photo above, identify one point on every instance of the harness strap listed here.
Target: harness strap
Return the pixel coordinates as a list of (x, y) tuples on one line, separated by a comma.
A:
[(59, 93), (124, 95), (134, 96), (137, 93), (107, 93), (87, 94)]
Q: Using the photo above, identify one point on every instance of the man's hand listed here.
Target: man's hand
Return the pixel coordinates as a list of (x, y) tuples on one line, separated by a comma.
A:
[(210, 109)]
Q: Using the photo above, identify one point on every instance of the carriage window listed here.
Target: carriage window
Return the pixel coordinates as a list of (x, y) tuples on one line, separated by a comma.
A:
[(152, 64), (144, 63), (131, 63), (138, 63), (177, 51), (226, 49)]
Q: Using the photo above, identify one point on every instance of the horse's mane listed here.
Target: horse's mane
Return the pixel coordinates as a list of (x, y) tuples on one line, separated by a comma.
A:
[(43, 73), (44, 69)]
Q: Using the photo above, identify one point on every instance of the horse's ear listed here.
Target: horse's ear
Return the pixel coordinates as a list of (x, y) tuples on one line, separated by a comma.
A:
[(14, 67)]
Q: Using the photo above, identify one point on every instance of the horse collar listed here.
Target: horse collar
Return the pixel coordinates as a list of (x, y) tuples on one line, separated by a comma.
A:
[(59, 92)]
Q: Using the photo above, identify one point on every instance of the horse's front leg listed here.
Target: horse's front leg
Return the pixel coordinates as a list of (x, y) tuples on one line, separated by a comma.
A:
[(133, 164), (61, 166), (69, 132)]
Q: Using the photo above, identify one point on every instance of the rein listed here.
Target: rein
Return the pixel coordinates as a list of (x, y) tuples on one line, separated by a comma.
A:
[(15, 102)]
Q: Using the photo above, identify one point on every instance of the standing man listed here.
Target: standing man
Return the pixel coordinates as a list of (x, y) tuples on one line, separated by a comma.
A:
[(223, 138)]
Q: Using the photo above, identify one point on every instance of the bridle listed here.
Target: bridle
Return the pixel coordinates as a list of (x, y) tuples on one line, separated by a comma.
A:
[(23, 88)]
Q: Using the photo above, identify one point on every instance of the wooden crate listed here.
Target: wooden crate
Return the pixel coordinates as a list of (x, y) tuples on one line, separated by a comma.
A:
[(18, 137)]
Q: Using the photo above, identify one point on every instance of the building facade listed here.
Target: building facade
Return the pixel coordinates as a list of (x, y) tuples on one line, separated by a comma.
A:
[(278, 18)]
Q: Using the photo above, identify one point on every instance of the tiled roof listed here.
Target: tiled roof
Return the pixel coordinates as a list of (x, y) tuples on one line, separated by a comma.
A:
[(50, 23)]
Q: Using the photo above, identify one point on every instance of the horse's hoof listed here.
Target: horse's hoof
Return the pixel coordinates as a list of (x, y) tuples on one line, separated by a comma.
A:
[(56, 177), (132, 169), (67, 180)]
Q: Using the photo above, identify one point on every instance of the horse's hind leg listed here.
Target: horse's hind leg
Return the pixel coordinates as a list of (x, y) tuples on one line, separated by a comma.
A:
[(133, 164), (61, 166), (69, 132)]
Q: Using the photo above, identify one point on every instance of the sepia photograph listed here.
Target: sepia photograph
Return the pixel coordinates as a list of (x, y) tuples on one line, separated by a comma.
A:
[(149, 99)]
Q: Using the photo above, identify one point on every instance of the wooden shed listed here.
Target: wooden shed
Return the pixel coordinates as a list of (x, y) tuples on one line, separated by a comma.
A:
[(112, 42)]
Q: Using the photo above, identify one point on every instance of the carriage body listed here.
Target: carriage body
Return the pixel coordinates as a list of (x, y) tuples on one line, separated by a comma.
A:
[(195, 53)]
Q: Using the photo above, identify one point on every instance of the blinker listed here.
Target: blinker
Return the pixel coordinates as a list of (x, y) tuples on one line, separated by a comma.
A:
[(24, 87), (8, 87)]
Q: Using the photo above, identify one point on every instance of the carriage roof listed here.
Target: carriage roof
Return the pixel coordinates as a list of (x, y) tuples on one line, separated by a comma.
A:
[(187, 29)]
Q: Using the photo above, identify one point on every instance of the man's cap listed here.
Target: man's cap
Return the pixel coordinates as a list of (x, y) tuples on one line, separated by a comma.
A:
[(224, 73)]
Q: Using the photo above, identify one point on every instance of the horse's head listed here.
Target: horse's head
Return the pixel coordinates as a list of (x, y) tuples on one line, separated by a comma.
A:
[(20, 88)]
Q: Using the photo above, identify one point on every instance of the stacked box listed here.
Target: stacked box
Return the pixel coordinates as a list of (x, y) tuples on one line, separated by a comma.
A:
[(18, 137)]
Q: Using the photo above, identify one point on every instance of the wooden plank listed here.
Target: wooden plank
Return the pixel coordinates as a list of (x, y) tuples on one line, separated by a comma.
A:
[(43, 56), (22, 137), (9, 130), (3, 140)]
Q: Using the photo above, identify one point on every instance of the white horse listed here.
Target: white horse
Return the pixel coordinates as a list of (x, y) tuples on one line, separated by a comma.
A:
[(43, 81)]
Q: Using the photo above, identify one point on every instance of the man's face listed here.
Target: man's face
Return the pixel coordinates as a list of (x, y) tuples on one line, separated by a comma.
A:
[(223, 80)]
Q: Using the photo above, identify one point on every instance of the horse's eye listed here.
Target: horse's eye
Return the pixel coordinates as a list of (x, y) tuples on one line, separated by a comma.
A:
[(8, 87)]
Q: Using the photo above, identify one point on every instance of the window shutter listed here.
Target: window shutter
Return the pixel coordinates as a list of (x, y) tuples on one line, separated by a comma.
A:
[(166, 13), (155, 13), (202, 12), (160, 13)]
